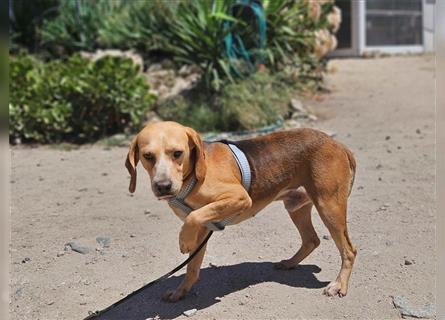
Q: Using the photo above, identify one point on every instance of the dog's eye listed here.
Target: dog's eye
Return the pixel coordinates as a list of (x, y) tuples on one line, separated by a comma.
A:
[(177, 154), (149, 157)]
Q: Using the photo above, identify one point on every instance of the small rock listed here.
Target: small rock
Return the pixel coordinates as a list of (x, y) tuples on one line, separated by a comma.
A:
[(407, 310), (379, 166), (60, 253), (104, 241), (418, 131), (380, 178), (190, 313), (330, 133), (83, 189), (104, 174), (152, 117), (297, 105), (212, 265), (147, 212), (387, 137), (19, 292), (155, 67), (76, 247), (408, 262), (49, 303), (388, 243), (326, 237), (83, 303), (26, 259), (312, 117), (132, 236)]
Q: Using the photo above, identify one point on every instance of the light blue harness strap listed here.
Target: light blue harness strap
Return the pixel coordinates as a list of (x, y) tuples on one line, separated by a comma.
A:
[(243, 165), (246, 177)]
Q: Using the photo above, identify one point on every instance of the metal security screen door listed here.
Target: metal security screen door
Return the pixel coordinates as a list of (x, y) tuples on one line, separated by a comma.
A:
[(393, 23)]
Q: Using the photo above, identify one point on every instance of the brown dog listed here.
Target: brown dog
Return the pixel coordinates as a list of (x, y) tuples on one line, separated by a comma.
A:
[(301, 167)]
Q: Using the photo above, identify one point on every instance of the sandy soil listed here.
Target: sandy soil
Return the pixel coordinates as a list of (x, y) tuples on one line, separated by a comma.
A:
[(382, 109)]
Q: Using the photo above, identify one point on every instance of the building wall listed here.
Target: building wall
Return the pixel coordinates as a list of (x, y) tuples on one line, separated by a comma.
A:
[(428, 24), (358, 26)]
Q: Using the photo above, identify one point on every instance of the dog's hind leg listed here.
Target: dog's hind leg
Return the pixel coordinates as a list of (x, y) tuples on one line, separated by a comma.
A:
[(333, 214), (299, 207)]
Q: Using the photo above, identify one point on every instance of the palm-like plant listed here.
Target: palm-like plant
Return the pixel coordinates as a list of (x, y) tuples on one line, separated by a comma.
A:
[(196, 36), (287, 32)]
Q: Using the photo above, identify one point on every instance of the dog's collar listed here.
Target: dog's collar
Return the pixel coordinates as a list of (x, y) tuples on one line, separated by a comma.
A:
[(246, 176)]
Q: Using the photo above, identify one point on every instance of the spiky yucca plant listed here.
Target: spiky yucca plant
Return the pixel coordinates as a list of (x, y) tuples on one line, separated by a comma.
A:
[(196, 36)]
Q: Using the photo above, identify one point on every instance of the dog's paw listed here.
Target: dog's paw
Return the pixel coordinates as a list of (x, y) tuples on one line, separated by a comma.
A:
[(187, 241), (285, 265), (174, 295), (334, 289)]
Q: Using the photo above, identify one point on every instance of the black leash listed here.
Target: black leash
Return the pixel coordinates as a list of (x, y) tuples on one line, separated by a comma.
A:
[(165, 276)]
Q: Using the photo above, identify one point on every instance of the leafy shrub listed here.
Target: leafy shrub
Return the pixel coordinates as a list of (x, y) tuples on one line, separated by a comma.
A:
[(196, 36), (139, 25), (253, 102), (191, 32), (25, 20), (75, 100), (78, 25)]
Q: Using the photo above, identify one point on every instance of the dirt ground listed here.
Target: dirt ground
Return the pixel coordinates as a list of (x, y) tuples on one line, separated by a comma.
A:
[(382, 109)]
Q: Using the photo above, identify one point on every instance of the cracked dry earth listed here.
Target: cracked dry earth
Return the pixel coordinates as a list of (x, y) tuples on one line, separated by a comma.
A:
[(382, 109)]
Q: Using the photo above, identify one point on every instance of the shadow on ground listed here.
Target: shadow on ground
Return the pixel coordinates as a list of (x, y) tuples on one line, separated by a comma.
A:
[(214, 282)]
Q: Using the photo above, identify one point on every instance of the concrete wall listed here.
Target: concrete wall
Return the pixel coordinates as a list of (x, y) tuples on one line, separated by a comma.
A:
[(429, 7)]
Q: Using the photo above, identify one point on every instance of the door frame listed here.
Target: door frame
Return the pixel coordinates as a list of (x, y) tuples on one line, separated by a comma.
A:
[(354, 50)]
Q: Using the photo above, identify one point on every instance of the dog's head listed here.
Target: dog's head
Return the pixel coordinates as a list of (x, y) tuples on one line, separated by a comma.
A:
[(169, 152)]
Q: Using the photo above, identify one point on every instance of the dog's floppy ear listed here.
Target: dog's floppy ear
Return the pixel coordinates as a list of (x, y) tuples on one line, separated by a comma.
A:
[(131, 163), (195, 143)]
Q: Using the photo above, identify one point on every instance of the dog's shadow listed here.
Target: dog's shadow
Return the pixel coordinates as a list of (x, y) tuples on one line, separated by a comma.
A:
[(214, 283)]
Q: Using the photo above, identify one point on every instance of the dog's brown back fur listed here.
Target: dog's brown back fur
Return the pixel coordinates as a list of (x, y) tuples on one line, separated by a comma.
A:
[(277, 159)]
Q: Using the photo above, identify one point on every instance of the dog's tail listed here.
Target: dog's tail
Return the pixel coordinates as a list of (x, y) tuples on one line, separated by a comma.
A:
[(352, 166)]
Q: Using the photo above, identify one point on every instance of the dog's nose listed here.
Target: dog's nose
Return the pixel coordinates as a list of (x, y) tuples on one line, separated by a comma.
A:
[(164, 186)]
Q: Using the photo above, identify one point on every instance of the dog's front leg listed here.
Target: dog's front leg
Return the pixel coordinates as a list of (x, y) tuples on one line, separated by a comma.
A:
[(192, 274), (227, 205)]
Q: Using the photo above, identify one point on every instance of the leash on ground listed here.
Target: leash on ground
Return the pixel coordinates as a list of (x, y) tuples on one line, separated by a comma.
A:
[(165, 276)]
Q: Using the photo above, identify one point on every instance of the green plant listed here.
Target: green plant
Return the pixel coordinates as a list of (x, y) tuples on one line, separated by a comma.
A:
[(140, 25), (245, 104), (78, 25), (25, 20), (196, 36), (74, 100)]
